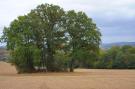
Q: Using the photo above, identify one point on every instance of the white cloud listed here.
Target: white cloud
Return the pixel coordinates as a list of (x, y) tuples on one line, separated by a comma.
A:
[(10, 9)]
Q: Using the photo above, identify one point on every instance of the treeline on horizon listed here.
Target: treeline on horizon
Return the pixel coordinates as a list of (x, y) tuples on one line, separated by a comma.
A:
[(51, 39), (116, 57)]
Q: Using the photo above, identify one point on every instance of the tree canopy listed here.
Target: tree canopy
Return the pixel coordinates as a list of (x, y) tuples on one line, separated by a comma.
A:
[(117, 58), (51, 39)]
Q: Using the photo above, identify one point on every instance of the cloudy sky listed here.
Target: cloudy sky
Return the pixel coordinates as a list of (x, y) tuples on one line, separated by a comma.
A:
[(115, 18)]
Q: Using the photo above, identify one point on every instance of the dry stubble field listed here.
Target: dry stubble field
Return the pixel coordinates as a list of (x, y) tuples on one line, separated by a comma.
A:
[(80, 79)]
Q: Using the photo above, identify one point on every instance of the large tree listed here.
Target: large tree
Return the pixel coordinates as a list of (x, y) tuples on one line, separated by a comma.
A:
[(38, 37)]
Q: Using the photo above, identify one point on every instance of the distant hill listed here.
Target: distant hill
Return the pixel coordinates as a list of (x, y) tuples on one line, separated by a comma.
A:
[(109, 45)]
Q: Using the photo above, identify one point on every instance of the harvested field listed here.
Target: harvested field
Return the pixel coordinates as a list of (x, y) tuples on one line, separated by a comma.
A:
[(80, 79)]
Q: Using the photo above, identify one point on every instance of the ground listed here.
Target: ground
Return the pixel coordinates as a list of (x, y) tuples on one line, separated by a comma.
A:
[(80, 79)]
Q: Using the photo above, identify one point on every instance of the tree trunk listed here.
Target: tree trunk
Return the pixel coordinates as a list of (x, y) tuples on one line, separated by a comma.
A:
[(72, 60), (71, 65), (50, 59)]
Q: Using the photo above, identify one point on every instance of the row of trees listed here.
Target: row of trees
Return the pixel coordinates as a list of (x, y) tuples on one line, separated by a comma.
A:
[(51, 39), (116, 58)]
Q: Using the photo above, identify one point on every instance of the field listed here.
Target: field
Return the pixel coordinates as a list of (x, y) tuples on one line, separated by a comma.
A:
[(80, 79)]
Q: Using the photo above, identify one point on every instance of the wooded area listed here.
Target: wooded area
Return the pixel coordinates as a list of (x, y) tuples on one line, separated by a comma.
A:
[(51, 39)]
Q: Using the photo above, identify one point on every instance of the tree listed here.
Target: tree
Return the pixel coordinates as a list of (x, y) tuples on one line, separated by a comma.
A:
[(82, 34), (18, 38), (117, 58), (48, 36), (49, 19)]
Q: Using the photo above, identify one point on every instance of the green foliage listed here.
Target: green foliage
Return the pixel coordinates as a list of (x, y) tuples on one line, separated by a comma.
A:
[(52, 39), (61, 61), (22, 58), (83, 35), (117, 57), (36, 56)]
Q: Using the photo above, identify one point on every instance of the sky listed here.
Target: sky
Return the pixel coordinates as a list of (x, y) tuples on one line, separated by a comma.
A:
[(114, 18)]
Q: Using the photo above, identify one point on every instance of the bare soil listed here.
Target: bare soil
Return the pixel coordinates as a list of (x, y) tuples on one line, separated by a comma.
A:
[(80, 79)]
